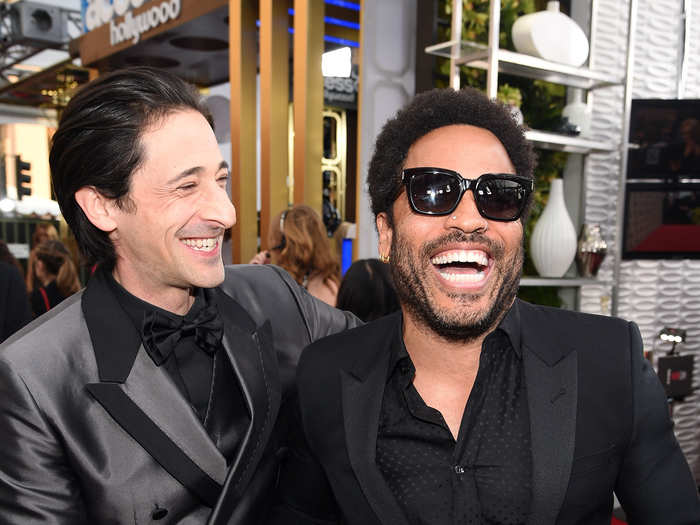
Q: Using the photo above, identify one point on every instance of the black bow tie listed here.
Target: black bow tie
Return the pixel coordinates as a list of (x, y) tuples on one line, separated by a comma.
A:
[(161, 333)]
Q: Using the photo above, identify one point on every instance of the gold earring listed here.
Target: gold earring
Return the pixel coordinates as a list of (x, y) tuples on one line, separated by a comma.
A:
[(384, 258)]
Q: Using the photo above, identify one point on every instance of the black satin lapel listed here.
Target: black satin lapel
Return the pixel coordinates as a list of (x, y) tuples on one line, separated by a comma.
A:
[(156, 397), (362, 402), (114, 339), (552, 400), (254, 362), (155, 441)]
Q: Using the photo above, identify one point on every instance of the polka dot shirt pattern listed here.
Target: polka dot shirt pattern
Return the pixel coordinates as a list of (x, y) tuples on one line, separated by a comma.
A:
[(484, 477)]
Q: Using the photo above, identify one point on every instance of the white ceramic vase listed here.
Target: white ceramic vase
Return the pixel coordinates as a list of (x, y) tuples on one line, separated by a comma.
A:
[(553, 241), (579, 113), (551, 35)]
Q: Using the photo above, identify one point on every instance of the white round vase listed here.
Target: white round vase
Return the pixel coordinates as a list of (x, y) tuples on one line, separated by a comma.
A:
[(579, 113), (553, 241), (551, 35)]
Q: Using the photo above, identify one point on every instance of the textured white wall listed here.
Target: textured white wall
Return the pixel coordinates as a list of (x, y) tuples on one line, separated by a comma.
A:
[(386, 84), (654, 294)]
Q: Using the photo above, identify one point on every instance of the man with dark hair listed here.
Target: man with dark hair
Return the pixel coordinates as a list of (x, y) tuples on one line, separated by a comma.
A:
[(154, 393), (469, 405)]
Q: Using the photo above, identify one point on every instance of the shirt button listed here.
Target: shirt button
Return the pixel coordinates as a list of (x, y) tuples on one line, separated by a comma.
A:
[(459, 470)]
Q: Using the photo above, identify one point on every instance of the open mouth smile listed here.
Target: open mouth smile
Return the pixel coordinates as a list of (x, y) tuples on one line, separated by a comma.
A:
[(202, 244), (462, 266)]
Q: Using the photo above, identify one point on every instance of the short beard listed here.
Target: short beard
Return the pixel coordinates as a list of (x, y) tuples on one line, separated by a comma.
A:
[(409, 281)]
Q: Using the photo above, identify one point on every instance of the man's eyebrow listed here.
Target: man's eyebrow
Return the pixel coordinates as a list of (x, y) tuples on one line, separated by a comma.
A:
[(196, 170)]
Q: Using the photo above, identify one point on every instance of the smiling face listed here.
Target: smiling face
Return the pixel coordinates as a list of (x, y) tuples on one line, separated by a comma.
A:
[(168, 237), (455, 274)]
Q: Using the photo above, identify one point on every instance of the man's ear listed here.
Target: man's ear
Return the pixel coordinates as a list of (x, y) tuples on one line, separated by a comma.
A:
[(385, 234), (97, 208)]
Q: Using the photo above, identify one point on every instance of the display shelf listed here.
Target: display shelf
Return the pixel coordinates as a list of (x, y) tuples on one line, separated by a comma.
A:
[(496, 61), (476, 55), (561, 282), (568, 143)]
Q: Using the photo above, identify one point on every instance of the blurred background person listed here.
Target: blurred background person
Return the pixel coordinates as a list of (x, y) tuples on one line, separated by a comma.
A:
[(7, 256), (44, 231), (684, 155), (55, 271), (299, 244), (367, 290), (14, 304), (345, 230)]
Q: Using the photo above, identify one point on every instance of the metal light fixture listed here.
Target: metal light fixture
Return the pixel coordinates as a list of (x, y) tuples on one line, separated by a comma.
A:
[(672, 335)]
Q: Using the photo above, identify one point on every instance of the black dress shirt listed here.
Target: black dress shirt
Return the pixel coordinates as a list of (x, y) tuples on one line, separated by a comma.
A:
[(484, 477), (190, 368)]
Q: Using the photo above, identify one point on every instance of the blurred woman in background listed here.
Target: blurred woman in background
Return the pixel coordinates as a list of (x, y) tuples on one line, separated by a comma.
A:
[(55, 271), (299, 244), (44, 231), (367, 290)]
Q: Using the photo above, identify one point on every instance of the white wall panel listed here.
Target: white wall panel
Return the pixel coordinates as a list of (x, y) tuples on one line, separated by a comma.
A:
[(387, 83), (654, 294)]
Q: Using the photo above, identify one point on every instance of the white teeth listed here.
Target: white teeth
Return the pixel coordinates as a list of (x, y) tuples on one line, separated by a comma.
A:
[(202, 245), (472, 256), (463, 277)]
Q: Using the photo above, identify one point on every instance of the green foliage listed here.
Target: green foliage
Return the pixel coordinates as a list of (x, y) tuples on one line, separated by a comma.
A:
[(546, 295), (510, 95), (475, 18)]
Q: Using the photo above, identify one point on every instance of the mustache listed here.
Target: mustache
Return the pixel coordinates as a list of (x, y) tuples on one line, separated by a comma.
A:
[(496, 249), (199, 231)]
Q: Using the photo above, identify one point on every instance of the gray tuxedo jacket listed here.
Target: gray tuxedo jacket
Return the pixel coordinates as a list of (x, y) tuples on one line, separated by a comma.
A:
[(92, 431)]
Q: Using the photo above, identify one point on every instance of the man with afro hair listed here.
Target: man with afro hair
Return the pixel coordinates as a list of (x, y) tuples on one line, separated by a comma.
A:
[(470, 405)]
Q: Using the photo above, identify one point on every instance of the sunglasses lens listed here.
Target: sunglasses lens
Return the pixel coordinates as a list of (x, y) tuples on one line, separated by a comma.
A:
[(501, 198), (434, 193)]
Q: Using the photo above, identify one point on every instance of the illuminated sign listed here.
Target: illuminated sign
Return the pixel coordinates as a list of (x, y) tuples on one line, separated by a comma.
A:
[(123, 23)]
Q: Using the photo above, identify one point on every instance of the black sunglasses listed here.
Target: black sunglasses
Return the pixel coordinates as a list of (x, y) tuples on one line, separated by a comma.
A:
[(437, 191)]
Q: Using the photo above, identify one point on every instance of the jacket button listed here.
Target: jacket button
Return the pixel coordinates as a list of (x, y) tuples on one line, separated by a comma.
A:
[(159, 513)]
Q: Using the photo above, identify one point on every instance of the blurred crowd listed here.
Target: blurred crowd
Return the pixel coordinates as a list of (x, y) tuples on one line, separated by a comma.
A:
[(299, 243), (51, 276)]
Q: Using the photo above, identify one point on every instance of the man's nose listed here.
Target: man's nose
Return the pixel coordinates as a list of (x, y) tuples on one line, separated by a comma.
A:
[(217, 207), (466, 216)]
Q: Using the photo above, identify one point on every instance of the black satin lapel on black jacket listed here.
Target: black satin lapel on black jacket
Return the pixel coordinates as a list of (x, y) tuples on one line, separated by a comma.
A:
[(362, 394), (552, 392), (253, 359), (142, 398)]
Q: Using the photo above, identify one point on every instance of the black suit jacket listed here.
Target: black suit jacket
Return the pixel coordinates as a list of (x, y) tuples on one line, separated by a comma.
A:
[(598, 420), (93, 432)]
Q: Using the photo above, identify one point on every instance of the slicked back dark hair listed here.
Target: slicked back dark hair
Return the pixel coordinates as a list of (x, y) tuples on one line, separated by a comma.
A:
[(432, 110), (98, 143)]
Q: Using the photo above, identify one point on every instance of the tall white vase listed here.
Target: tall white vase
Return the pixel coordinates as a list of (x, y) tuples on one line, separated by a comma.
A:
[(553, 241)]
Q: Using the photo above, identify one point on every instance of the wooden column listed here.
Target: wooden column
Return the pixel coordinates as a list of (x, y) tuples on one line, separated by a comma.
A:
[(308, 102), (274, 112), (242, 72)]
